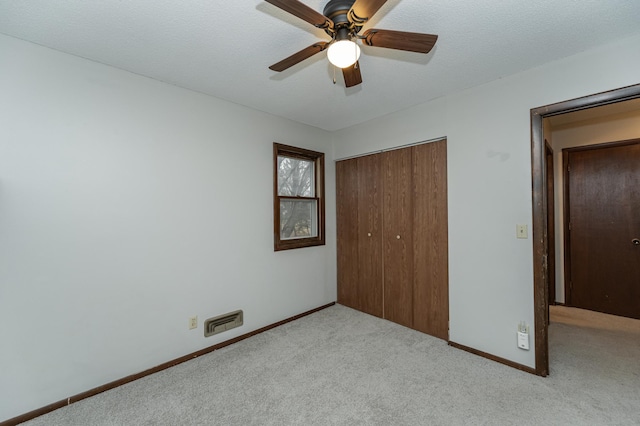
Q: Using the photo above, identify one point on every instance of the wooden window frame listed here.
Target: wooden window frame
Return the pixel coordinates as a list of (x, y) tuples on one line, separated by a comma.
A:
[(318, 160)]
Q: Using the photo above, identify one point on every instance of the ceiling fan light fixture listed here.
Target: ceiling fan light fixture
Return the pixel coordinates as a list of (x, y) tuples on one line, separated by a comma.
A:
[(343, 53)]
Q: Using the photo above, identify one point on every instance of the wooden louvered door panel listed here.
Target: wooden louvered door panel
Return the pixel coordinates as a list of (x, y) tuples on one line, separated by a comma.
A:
[(430, 242), (398, 237)]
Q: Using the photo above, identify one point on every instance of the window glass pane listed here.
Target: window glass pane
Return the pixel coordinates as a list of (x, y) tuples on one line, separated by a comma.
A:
[(295, 177), (298, 219)]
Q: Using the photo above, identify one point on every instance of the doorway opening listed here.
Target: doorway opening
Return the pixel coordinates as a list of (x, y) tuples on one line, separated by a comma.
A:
[(540, 198)]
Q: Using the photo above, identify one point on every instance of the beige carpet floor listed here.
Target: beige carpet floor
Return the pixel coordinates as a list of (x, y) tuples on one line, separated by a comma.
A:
[(342, 367), (594, 320)]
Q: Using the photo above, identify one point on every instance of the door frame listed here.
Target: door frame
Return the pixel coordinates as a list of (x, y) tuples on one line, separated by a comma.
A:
[(540, 205), (551, 227)]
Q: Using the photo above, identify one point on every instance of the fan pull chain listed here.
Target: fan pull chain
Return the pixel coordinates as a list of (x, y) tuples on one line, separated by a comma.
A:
[(334, 74)]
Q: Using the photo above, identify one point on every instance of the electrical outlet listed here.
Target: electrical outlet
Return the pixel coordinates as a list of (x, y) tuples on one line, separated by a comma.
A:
[(193, 322), (523, 340), (523, 336)]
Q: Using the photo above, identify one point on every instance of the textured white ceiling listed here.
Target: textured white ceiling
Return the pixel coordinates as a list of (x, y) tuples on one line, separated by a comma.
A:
[(224, 48)]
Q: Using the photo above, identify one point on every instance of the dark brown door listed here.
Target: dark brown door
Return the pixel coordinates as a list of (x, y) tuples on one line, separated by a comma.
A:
[(604, 223), (398, 237), (359, 233), (430, 243)]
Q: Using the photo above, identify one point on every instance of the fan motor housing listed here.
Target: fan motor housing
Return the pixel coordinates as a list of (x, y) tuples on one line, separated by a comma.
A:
[(337, 11)]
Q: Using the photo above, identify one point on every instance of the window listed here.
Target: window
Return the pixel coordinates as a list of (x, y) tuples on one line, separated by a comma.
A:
[(298, 197)]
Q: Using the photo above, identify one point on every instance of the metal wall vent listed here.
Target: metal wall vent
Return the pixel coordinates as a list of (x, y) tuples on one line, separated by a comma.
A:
[(222, 323)]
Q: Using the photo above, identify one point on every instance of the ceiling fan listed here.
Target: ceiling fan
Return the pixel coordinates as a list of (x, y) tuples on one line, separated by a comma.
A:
[(342, 20)]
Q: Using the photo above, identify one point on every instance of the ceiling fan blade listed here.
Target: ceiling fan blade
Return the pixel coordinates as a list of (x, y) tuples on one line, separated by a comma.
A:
[(363, 10), (303, 11), (352, 76), (299, 56), (401, 40)]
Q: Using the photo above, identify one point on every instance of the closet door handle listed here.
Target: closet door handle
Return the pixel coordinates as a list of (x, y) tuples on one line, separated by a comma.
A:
[(368, 234), (397, 237), (636, 242)]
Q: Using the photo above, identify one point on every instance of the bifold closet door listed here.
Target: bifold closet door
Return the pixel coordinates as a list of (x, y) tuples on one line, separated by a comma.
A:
[(430, 244), (370, 264), (359, 233), (392, 236), (347, 232), (398, 236)]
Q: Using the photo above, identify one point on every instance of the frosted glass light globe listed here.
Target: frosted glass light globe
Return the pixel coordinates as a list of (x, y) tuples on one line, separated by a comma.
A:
[(343, 53)]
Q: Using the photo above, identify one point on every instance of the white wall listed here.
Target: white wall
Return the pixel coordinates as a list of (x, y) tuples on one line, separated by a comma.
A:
[(126, 206), (489, 182), (611, 128)]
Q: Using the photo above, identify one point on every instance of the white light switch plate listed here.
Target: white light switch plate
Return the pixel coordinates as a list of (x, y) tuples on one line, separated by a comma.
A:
[(522, 232)]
